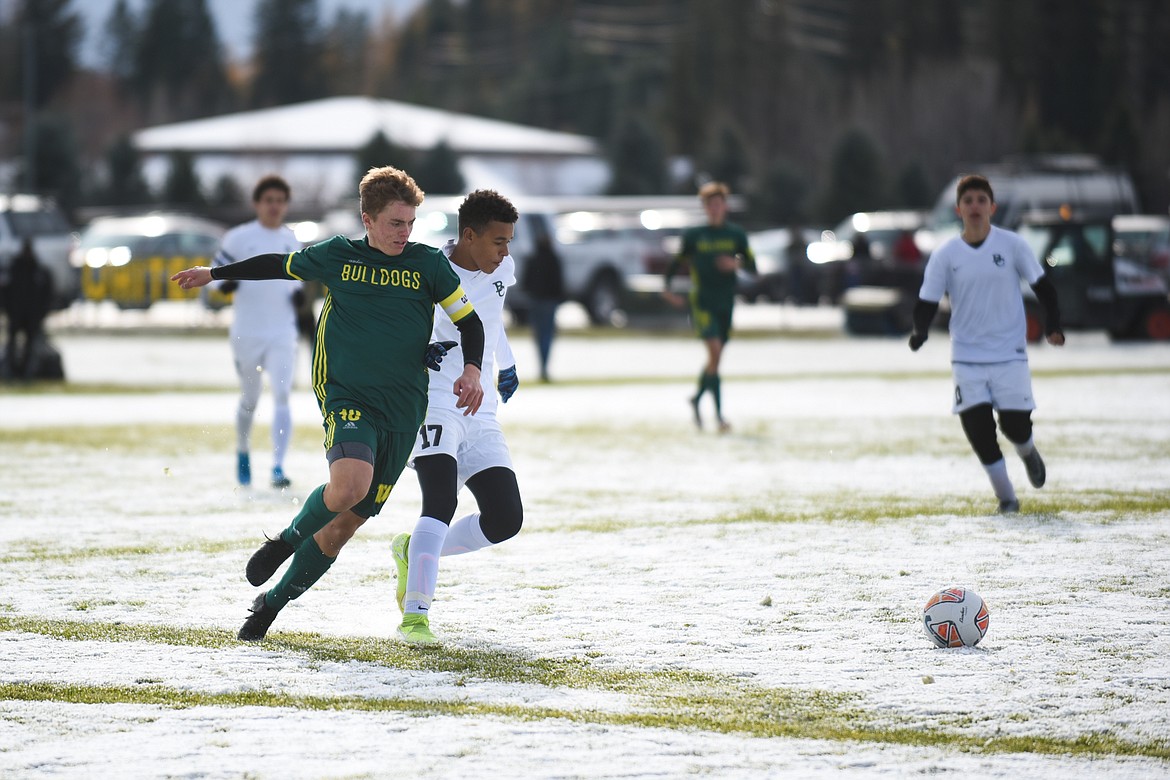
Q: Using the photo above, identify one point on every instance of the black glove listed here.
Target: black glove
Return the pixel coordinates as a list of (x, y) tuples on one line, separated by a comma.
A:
[(307, 325), (917, 340), (229, 287), (507, 383), (435, 352)]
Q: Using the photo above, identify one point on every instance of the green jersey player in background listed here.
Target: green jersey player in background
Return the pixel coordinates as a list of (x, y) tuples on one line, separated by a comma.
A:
[(981, 269), (715, 252), (368, 374)]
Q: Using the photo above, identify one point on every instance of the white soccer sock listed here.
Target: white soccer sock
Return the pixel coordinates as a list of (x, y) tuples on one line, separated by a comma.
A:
[(1000, 482), (426, 544), (1025, 449), (244, 428), (281, 433), (465, 536)]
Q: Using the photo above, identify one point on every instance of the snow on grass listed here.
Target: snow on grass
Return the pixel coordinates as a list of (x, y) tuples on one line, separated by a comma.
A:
[(678, 602)]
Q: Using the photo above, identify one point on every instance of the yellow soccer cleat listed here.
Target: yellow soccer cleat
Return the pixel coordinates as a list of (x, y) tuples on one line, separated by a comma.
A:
[(416, 630), (400, 548)]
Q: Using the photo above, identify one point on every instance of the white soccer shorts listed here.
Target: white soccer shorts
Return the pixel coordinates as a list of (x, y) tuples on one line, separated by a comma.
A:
[(475, 443), (1005, 385)]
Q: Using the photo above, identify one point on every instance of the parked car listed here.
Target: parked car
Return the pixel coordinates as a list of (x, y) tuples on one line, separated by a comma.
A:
[(1145, 239), (31, 216), (1079, 183), (130, 259), (866, 248), (1095, 287)]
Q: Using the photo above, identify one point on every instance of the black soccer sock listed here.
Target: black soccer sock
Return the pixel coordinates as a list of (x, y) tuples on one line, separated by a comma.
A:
[(702, 386), (717, 391)]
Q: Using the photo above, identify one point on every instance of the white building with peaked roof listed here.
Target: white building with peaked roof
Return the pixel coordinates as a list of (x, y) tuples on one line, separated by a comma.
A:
[(314, 145)]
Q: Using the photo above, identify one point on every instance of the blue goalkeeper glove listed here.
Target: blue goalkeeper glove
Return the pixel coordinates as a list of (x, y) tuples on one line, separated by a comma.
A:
[(507, 383), (436, 350)]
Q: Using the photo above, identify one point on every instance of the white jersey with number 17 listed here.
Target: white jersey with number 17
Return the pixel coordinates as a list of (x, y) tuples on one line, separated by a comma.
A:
[(486, 293)]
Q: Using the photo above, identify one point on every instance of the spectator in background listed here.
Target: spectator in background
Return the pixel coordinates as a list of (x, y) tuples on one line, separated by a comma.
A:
[(906, 251), (27, 300), (797, 263), (264, 325), (545, 285)]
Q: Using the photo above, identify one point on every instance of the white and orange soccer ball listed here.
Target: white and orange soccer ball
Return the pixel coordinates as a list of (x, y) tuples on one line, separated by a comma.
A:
[(955, 617)]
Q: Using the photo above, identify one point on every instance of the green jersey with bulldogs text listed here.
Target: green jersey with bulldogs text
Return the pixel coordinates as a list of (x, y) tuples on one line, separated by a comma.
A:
[(376, 323), (711, 288)]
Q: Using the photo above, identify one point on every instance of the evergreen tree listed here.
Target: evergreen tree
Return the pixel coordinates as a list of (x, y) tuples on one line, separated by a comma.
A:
[(178, 64), (855, 177), (912, 188), (227, 192), (781, 198), (54, 33), (126, 185), (120, 42), (345, 52), (57, 166), (288, 53), (379, 151), (182, 187), (636, 160), (437, 171)]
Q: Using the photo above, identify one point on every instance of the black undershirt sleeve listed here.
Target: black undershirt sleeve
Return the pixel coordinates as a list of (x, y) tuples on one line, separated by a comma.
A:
[(471, 339), (924, 312), (1046, 294), (270, 266)]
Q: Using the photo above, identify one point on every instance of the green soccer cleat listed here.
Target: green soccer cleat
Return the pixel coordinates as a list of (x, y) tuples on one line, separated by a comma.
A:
[(400, 548), (416, 630)]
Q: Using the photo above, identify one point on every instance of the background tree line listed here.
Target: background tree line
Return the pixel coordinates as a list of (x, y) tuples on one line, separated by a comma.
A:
[(812, 108)]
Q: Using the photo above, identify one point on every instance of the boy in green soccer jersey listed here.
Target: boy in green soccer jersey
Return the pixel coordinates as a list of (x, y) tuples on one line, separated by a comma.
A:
[(715, 252), (368, 374)]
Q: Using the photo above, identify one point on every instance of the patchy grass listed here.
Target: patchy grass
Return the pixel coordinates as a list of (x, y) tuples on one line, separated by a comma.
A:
[(672, 699)]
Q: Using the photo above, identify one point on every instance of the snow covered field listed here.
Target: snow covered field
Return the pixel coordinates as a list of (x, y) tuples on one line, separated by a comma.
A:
[(678, 604)]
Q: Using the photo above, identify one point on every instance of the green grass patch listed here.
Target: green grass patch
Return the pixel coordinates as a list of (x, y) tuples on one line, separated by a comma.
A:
[(674, 699)]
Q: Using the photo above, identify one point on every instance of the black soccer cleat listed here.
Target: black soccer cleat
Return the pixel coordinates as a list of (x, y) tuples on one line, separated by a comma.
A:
[(1034, 465), (265, 561), (1009, 506), (256, 626), (698, 417)]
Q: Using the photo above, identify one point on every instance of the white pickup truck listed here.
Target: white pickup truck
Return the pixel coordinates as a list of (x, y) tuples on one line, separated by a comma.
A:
[(605, 243)]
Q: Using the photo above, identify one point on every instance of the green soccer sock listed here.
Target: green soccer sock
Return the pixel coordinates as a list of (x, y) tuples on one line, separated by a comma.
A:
[(314, 516), (702, 385), (716, 390), (308, 565)]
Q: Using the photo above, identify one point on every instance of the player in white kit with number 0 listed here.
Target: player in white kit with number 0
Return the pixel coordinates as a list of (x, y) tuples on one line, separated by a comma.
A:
[(453, 448), (263, 332), (981, 270)]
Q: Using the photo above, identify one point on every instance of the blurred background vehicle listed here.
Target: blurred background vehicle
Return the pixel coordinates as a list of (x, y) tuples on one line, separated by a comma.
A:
[(613, 250), (31, 216), (1145, 239), (130, 259), (1029, 183), (866, 248)]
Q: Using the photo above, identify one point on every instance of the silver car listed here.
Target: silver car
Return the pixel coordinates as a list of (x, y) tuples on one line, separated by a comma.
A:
[(31, 216)]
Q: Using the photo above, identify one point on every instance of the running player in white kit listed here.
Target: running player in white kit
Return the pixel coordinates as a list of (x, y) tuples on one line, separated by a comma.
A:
[(981, 270), (453, 448), (263, 332)]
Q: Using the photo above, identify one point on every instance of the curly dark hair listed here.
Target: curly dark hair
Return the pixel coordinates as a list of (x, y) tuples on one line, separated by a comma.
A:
[(483, 207)]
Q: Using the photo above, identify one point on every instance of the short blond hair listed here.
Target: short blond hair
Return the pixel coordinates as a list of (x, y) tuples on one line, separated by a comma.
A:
[(713, 189), (382, 186)]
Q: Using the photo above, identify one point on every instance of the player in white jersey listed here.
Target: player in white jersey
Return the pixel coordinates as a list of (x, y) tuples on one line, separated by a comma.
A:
[(264, 326), (453, 448), (981, 270)]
